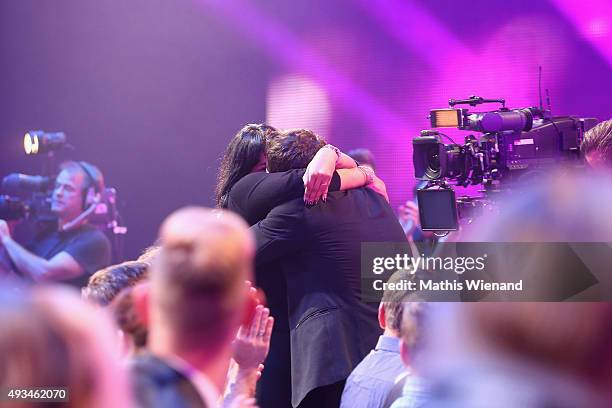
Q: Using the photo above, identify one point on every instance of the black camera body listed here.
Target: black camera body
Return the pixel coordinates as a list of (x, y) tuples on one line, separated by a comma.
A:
[(514, 146), (26, 197)]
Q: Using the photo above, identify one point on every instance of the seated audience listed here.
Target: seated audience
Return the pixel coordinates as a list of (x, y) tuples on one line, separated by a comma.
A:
[(106, 283)]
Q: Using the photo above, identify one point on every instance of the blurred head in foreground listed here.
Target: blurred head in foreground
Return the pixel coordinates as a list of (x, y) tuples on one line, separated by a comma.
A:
[(565, 205), (597, 146), (365, 157), (529, 354), (198, 295), (128, 309), (559, 226), (521, 354), (50, 338)]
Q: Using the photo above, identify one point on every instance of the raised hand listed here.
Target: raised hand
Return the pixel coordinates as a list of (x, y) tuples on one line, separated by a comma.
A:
[(409, 216), (252, 344)]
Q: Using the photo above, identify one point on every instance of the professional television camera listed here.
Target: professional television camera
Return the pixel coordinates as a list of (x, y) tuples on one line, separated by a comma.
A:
[(515, 146)]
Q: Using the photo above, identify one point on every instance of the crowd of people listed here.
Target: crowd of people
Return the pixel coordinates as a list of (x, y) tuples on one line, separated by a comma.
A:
[(258, 301)]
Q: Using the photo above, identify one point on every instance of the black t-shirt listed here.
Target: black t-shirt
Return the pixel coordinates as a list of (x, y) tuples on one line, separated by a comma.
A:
[(86, 244), (256, 194)]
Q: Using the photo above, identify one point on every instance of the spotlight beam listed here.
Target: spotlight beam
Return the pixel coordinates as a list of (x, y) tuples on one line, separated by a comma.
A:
[(592, 20), (284, 46), (416, 29)]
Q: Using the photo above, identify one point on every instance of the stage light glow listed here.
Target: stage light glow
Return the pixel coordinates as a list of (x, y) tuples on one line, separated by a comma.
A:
[(296, 101), (39, 141), (599, 27), (591, 21), (30, 143)]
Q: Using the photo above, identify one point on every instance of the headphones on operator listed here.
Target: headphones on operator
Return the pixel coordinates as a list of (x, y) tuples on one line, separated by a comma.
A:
[(94, 185), (91, 195)]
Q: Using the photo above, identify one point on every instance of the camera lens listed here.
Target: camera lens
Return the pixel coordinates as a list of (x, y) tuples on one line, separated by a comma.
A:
[(433, 163), (426, 157)]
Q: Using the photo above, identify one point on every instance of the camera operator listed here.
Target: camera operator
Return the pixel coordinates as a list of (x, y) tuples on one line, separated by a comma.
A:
[(74, 249)]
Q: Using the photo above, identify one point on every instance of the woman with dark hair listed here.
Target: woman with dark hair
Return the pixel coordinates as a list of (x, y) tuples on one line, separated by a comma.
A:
[(329, 169), (245, 154)]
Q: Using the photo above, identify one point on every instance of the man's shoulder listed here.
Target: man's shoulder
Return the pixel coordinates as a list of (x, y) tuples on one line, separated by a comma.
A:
[(362, 200), (156, 383), (358, 194), (89, 247), (247, 183), (414, 393), (84, 236), (372, 378), (90, 233), (250, 179), (148, 367), (384, 365), (240, 192), (145, 362), (290, 213)]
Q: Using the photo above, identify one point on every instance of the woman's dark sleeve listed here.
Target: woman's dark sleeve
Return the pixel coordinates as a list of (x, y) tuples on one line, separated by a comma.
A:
[(255, 195)]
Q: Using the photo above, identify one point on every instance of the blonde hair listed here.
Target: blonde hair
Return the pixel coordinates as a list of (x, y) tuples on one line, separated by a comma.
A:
[(198, 277)]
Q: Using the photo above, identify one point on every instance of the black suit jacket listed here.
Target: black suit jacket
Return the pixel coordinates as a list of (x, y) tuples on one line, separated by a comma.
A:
[(319, 249), (157, 384)]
